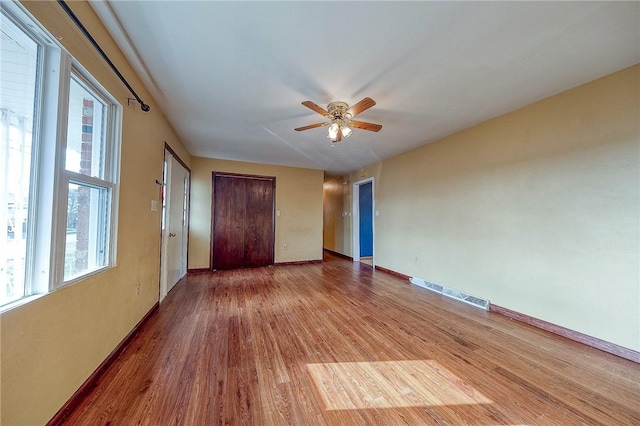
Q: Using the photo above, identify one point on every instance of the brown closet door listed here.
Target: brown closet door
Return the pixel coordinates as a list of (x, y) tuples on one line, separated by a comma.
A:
[(243, 225), (228, 246), (258, 236)]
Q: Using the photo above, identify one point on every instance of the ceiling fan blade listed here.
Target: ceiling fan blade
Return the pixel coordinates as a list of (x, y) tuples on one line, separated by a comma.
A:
[(311, 126), (316, 108), (361, 106), (372, 127)]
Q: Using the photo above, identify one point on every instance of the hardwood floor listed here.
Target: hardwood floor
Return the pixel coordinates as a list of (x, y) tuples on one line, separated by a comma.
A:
[(342, 344), (367, 260)]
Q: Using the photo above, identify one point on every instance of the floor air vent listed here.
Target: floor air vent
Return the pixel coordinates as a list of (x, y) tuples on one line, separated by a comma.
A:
[(450, 292)]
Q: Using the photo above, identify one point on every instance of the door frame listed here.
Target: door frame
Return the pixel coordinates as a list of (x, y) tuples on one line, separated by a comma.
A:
[(355, 224), (164, 219)]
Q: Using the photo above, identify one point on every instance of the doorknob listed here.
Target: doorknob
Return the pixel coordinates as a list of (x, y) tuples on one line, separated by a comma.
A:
[(172, 234)]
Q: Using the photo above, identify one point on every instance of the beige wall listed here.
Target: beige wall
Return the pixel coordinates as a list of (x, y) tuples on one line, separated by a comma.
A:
[(332, 203), (51, 345), (298, 198), (537, 210)]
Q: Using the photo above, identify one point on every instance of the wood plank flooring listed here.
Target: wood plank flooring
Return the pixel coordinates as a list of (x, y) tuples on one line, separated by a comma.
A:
[(338, 343)]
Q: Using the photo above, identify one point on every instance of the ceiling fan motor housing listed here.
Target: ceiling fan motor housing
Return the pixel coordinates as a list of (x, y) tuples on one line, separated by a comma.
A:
[(338, 110)]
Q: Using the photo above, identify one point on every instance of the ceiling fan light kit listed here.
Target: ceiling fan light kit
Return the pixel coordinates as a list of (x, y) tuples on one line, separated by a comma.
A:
[(340, 118)]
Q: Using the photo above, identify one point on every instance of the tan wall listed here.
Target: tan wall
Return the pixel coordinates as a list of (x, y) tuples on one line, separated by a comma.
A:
[(332, 202), (298, 197), (537, 210), (51, 345)]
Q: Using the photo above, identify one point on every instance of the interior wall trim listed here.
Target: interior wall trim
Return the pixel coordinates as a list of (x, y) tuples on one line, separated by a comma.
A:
[(299, 262), (177, 157), (59, 418), (576, 336), (335, 253), (198, 270), (393, 273)]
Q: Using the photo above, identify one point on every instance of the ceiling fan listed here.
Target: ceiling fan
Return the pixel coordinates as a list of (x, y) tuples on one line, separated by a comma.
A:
[(340, 118)]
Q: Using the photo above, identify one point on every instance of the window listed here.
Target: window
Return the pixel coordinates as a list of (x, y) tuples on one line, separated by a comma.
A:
[(59, 164), (19, 76), (88, 180)]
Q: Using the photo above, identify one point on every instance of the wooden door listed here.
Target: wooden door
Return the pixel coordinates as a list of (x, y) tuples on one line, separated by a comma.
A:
[(173, 255), (228, 244), (243, 221), (258, 233), (175, 230)]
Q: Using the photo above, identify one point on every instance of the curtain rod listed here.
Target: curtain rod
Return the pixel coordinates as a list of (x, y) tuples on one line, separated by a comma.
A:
[(86, 33)]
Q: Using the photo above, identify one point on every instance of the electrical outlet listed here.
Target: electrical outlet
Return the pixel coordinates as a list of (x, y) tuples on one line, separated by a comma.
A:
[(137, 289), (416, 258), (284, 247)]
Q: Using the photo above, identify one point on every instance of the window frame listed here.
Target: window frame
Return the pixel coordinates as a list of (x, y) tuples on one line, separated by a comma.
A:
[(49, 179), (110, 181)]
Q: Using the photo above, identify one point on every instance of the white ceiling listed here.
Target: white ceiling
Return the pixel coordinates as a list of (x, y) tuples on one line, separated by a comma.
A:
[(231, 76)]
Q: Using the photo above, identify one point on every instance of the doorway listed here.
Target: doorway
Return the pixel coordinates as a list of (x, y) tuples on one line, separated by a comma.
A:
[(363, 221), (243, 221), (175, 217)]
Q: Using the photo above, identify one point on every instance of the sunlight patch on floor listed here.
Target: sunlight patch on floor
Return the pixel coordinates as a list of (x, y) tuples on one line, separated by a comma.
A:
[(387, 384)]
